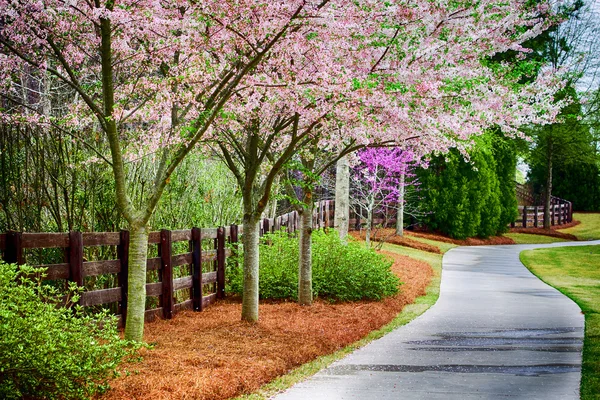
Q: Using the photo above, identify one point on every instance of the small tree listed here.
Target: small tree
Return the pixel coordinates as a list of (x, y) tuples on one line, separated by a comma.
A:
[(378, 181)]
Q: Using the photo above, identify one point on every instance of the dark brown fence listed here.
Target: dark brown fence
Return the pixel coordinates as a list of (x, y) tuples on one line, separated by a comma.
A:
[(561, 212), (186, 268), (204, 264)]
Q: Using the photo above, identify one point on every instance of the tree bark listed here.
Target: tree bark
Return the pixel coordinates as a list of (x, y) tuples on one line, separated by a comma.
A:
[(342, 197), (305, 295), (400, 216), (136, 282), (548, 205), (250, 241)]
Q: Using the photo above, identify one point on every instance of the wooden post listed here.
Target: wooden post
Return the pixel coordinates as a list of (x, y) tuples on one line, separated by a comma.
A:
[(535, 216), (560, 212), (552, 211), (13, 252), (221, 263), (166, 273), (76, 258), (197, 269), (123, 254), (327, 214), (570, 212), (524, 216), (266, 227)]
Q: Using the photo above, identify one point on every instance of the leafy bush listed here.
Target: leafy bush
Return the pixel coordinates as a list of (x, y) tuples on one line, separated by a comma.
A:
[(340, 272), (475, 198), (48, 351)]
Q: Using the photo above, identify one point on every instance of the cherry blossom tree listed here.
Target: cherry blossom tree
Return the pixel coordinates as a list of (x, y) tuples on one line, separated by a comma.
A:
[(262, 80), (149, 77)]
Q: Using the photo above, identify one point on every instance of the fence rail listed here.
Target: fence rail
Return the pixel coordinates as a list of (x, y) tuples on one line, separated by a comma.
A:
[(561, 212), (201, 283)]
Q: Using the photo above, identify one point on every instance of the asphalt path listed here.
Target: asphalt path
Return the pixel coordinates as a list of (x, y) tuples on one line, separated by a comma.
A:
[(496, 332)]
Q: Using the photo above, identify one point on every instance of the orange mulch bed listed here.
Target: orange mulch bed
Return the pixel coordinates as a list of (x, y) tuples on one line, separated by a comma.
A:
[(214, 355), (464, 242), (388, 235)]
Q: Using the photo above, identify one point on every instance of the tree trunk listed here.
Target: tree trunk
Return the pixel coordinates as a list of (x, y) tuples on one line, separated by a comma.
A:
[(136, 282), (400, 215), (369, 224), (342, 197), (305, 296), (548, 205), (250, 241)]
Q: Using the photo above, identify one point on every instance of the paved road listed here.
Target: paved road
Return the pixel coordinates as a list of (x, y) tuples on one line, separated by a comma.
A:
[(496, 332)]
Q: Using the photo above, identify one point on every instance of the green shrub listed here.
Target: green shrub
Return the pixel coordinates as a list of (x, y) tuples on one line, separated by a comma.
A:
[(340, 272), (48, 351)]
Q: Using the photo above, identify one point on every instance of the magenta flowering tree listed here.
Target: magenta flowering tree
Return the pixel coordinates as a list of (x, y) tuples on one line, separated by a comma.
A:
[(378, 181)]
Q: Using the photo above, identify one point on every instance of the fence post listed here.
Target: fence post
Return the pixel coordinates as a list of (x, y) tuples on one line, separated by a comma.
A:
[(327, 215), (197, 269), (570, 212), (76, 258), (13, 252), (552, 211), (266, 227), (221, 263), (560, 213), (166, 273), (122, 276), (535, 216), (524, 216)]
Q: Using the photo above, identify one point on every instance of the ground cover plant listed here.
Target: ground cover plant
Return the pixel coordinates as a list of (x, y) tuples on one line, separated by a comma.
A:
[(341, 272), (52, 352), (574, 271), (214, 355)]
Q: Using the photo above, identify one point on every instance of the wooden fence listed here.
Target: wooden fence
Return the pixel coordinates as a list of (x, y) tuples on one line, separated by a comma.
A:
[(561, 212), (192, 279)]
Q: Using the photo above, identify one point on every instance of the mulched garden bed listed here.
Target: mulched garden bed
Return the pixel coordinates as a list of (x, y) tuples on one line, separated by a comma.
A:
[(389, 236), (214, 355), (463, 242)]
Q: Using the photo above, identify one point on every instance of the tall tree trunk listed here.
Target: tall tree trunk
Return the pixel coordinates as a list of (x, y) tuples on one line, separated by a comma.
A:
[(400, 216), (250, 241), (548, 205), (305, 296), (136, 282), (342, 197)]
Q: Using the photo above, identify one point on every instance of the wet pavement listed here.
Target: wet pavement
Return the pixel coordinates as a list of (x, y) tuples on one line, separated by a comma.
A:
[(496, 332)]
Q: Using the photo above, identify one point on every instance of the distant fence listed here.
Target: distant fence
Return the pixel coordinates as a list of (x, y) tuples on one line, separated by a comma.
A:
[(561, 212), (189, 265)]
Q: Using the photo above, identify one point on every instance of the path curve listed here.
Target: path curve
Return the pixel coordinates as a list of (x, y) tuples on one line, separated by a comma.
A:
[(496, 332)]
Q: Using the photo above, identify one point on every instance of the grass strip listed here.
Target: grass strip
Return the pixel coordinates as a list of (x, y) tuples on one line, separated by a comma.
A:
[(588, 229), (526, 238), (575, 271), (409, 313)]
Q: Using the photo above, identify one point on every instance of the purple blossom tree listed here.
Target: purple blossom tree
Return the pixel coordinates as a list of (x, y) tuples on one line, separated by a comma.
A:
[(378, 182)]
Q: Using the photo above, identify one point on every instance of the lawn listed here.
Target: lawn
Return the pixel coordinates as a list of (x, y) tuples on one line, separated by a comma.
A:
[(575, 271), (588, 229), (526, 238)]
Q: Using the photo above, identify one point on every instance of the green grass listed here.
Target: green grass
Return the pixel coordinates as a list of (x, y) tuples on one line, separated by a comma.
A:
[(588, 229), (575, 271), (409, 313), (526, 238)]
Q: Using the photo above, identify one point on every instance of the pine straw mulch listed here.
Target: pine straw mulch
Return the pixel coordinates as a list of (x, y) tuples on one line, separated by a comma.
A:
[(388, 235), (474, 241), (214, 355)]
